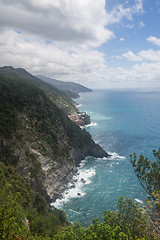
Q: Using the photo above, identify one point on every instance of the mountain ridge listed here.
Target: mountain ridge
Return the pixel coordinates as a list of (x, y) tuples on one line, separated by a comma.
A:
[(37, 137), (59, 98), (70, 88)]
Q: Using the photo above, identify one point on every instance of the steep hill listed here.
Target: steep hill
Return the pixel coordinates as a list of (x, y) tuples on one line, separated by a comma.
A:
[(23, 212), (70, 88), (56, 96), (36, 136), (40, 148)]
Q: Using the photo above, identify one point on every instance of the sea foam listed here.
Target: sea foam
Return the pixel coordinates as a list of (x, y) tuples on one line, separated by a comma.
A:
[(115, 156), (75, 187), (92, 124)]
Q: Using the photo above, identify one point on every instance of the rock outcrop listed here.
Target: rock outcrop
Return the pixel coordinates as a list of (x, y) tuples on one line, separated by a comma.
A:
[(52, 176)]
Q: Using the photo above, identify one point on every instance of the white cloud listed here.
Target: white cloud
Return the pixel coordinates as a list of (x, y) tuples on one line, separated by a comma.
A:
[(122, 39), (147, 72), (87, 67), (154, 40), (141, 25), (78, 22), (130, 26), (20, 50), (144, 55), (120, 12), (131, 56), (139, 75), (150, 55), (138, 8), (58, 39)]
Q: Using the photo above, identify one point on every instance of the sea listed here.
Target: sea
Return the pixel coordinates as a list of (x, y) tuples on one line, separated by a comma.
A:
[(122, 122)]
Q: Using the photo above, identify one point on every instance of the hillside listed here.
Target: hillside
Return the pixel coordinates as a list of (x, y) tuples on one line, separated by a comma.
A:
[(57, 97), (24, 212), (40, 148), (70, 88), (36, 136)]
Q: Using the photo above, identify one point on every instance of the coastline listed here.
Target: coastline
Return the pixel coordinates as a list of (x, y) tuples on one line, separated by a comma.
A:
[(64, 175), (74, 188), (80, 157)]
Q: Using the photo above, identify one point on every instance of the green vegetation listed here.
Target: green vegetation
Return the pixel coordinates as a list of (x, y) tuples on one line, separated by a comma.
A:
[(24, 213), (71, 89), (148, 174), (28, 114), (56, 96), (19, 95), (128, 222), (71, 94), (33, 125)]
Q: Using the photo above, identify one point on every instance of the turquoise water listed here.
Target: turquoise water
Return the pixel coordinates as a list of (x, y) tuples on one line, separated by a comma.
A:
[(122, 123)]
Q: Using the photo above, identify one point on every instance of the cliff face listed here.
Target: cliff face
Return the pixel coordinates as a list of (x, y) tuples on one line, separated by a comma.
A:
[(37, 137)]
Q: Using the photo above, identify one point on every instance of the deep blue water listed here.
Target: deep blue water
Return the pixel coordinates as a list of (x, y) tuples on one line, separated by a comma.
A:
[(124, 122)]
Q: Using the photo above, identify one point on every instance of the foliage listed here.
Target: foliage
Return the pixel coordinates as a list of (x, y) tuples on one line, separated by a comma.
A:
[(28, 113), (148, 173), (12, 219), (7, 156), (24, 213), (127, 223), (26, 109), (71, 94), (56, 96)]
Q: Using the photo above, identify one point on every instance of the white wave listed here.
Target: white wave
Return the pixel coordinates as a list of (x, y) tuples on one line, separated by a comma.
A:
[(115, 156), (75, 187), (83, 162), (92, 124), (71, 210), (139, 201), (79, 105)]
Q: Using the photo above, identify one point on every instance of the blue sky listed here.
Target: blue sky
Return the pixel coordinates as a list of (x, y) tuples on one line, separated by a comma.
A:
[(100, 44)]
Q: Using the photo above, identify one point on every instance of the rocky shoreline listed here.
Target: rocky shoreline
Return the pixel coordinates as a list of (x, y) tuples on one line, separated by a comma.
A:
[(54, 176), (37, 138), (57, 176)]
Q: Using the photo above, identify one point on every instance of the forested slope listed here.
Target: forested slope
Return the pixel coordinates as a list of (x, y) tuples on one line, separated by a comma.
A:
[(36, 136), (70, 88), (40, 148)]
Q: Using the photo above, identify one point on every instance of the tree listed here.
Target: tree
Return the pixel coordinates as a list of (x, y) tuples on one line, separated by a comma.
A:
[(127, 223), (148, 174)]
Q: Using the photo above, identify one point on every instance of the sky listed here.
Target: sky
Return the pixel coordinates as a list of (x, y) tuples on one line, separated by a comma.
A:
[(102, 44)]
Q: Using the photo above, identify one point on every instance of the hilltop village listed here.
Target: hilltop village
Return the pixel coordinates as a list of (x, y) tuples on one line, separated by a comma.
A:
[(80, 118)]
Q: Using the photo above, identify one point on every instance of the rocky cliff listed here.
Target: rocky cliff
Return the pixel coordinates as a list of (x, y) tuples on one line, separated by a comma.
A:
[(37, 137)]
